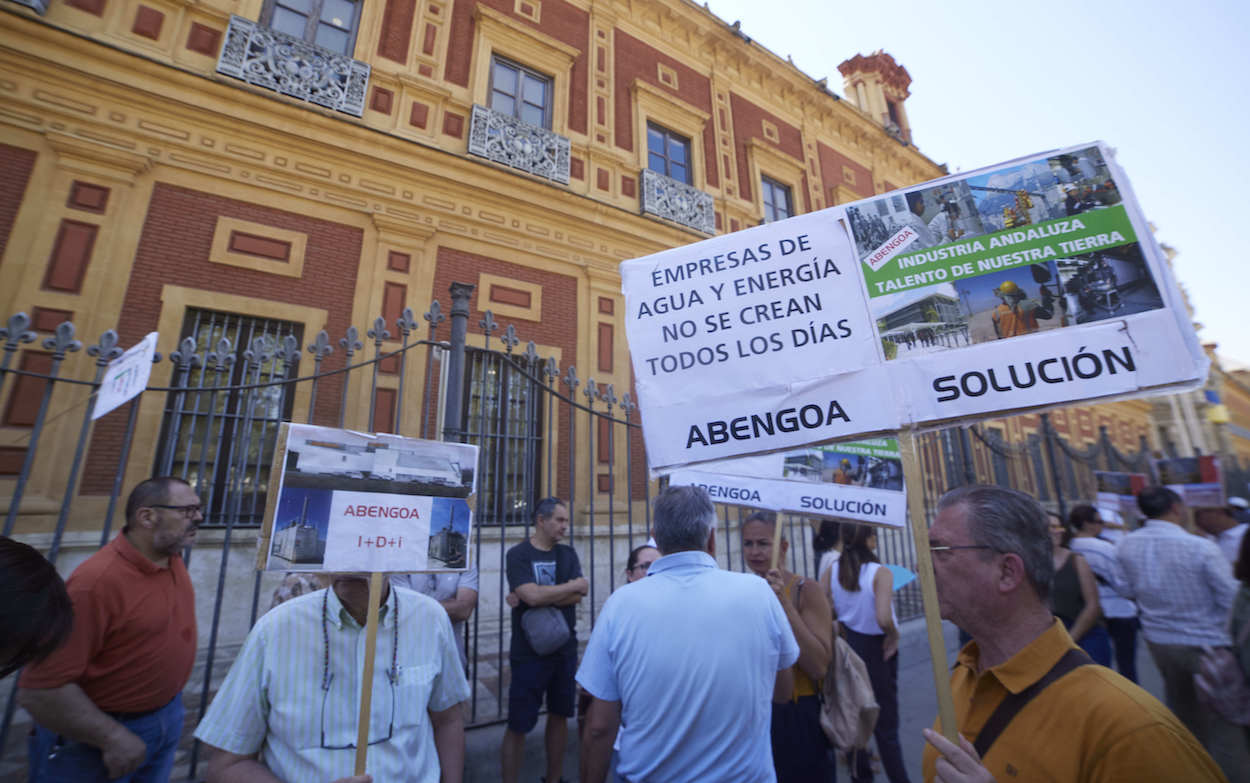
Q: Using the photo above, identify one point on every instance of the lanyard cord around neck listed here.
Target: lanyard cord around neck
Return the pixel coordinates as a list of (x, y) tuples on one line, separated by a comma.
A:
[(392, 673)]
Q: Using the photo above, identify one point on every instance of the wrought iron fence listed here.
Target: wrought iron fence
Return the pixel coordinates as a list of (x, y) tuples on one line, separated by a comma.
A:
[(542, 430)]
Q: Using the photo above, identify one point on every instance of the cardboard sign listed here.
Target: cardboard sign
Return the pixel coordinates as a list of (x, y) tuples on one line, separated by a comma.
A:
[(126, 377), (858, 480), (361, 502), (1198, 480), (1117, 492), (1018, 287)]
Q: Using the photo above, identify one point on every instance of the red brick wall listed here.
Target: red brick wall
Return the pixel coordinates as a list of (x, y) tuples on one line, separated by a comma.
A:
[(637, 60), (748, 124), (558, 327), (174, 249), (15, 167), (396, 29), (831, 163), (560, 20)]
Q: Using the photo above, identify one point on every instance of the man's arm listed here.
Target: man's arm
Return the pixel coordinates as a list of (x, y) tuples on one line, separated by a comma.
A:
[(461, 605), (227, 767), (449, 742), (551, 595), (603, 719), (67, 710)]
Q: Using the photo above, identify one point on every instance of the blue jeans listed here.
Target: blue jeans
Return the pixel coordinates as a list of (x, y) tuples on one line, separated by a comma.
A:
[(54, 759), (1097, 643)]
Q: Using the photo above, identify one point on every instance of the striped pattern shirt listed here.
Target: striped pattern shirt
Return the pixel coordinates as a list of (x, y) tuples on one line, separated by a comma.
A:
[(1182, 584), (273, 701)]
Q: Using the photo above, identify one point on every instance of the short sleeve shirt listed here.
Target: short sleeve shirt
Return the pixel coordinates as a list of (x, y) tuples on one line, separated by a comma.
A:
[(527, 563)]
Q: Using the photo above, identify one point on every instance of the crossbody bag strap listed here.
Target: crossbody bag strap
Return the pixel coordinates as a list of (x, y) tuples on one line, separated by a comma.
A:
[(1010, 706)]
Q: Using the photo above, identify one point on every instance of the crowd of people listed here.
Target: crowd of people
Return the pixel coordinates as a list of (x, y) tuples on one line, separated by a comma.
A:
[(691, 672)]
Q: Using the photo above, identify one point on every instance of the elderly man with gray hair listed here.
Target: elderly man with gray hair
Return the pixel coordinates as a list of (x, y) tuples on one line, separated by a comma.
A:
[(685, 662), (1029, 704)]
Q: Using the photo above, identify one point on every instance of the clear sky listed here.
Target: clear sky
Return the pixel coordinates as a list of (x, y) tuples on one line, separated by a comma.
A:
[(1161, 81)]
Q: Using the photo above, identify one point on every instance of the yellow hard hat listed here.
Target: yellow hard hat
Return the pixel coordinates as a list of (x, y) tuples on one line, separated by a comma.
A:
[(1008, 287), (846, 463)]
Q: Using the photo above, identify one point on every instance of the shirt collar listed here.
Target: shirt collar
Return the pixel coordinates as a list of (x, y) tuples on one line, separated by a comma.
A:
[(680, 560), (1028, 665), (1164, 526), (130, 554), (341, 617)]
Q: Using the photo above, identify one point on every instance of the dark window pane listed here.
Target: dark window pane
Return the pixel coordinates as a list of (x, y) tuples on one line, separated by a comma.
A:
[(339, 13), (332, 38), (535, 91), (534, 115), (677, 150), (503, 103), (655, 141), (678, 173), (656, 163), (287, 21), (504, 79)]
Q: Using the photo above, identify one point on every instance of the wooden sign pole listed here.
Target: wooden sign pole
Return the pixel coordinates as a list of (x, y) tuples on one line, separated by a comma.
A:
[(928, 586), (366, 681), (776, 558)]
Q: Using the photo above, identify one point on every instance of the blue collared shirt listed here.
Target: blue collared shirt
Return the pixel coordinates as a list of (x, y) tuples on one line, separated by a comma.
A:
[(691, 653), (1182, 583)]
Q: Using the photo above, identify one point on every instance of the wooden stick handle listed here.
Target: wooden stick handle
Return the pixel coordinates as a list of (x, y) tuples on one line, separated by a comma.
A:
[(928, 585), (366, 680), (776, 557)]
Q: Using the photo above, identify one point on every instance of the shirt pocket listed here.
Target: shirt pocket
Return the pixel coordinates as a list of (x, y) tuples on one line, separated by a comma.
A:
[(413, 688)]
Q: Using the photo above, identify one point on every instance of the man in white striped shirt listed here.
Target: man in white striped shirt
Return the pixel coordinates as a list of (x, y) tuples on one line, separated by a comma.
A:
[(1184, 591), (288, 709)]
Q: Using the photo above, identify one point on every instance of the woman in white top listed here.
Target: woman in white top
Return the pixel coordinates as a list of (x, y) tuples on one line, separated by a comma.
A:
[(862, 594), (1086, 524)]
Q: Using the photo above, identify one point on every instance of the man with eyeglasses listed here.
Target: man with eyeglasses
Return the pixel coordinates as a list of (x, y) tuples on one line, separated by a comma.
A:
[(108, 703), (1072, 720), (288, 710)]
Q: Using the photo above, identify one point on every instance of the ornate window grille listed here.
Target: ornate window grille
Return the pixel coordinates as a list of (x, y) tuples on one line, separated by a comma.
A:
[(667, 198), (292, 66), (496, 136)]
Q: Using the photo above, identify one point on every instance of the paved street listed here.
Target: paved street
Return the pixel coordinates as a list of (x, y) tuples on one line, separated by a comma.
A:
[(918, 706)]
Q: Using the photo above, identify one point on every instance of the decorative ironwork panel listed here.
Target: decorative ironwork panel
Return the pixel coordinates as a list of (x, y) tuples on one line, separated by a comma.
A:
[(677, 201), (293, 66), (38, 6), (505, 139)]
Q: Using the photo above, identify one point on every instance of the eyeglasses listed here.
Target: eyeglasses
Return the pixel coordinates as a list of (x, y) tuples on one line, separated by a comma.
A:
[(645, 567), (958, 546), (187, 511), (325, 696)]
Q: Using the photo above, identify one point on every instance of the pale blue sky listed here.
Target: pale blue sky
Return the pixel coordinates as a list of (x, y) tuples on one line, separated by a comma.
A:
[(1161, 82)]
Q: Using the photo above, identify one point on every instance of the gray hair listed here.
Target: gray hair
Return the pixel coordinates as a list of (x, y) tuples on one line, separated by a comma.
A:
[(683, 519), (1008, 521)]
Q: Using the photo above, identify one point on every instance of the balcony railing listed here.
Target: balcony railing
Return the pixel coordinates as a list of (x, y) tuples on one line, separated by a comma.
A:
[(677, 201), (505, 139), (293, 66)]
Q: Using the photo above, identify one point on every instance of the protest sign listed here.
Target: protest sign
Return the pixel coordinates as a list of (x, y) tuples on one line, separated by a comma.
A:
[(1198, 480), (1118, 492), (126, 377), (857, 480), (1017, 287), (353, 501)]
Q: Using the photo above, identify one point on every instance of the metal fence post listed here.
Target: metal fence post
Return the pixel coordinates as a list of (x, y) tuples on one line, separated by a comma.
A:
[(1048, 434), (453, 425)]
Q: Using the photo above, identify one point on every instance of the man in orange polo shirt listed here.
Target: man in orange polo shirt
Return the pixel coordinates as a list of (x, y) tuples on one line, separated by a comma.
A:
[(108, 703), (993, 563)]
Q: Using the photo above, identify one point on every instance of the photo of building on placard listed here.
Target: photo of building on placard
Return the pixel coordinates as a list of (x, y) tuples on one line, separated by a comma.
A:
[(1198, 480), (874, 463), (1023, 249), (369, 502)]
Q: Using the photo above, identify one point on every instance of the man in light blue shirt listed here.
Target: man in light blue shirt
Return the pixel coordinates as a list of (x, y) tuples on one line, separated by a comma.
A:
[(686, 662), (288, 709)]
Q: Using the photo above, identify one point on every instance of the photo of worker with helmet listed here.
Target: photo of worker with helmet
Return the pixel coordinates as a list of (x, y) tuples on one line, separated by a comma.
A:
[(1013, 302)]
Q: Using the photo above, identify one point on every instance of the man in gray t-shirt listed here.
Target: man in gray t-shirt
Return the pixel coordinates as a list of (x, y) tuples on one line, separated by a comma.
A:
[(456, 592)]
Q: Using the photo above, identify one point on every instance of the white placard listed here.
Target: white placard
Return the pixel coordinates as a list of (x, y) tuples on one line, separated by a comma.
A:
[(913, 308), (372, 531), (126, 377)]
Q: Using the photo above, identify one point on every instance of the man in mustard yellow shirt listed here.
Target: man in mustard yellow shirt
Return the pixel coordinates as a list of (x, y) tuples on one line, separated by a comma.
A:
[(993, 563)]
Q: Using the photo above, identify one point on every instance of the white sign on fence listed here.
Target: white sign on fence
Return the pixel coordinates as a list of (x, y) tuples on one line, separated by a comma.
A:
[(126, 377), (1017, 287)]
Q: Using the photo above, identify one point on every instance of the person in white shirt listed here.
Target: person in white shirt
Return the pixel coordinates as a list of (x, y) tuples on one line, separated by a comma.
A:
[(1184, 590), (1086, 524), (1223, 528)]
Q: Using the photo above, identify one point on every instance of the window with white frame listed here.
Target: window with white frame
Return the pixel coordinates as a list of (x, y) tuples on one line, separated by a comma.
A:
[(520, 92), (777, 202), (330, 24), (668, 153)]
